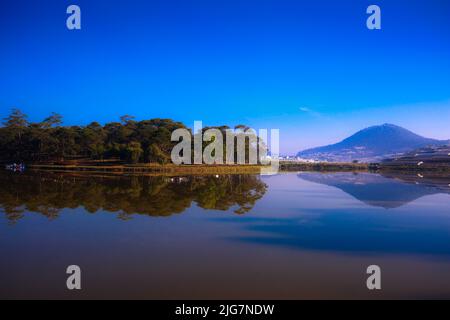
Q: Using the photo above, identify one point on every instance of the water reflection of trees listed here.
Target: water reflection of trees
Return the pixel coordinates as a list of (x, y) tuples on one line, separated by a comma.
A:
[(49, 193)]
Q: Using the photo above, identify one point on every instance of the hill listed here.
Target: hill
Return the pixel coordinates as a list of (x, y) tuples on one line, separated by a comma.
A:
[(372, 144)]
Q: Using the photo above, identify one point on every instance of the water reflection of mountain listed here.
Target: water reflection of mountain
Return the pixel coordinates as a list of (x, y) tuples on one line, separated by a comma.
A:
[(387, 191), (49, 193)]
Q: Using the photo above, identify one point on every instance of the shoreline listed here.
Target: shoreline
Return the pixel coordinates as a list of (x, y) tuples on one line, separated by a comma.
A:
[(171, 169), (156, 169)]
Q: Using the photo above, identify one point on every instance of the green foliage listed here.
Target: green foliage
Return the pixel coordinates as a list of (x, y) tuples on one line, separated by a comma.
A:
[(53, 120), (155, 154), (16, 119), (127, 140), (134, 151)]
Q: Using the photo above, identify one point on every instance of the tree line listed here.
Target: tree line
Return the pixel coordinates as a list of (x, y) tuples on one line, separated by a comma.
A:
[(146, 141)]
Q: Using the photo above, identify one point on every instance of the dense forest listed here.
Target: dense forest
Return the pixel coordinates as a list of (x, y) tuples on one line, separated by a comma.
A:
[(146, 141)]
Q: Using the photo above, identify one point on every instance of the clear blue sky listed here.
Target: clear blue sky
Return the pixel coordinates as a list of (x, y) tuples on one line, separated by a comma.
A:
[(310, 68)]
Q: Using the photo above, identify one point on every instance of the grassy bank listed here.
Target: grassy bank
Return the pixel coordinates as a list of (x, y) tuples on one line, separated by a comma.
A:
[(170, 169), (325, 166), (372, 167), (195, 169), (285, 166)]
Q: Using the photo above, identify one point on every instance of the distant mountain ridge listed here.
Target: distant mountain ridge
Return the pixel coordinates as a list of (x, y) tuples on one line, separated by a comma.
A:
[(372, 144)]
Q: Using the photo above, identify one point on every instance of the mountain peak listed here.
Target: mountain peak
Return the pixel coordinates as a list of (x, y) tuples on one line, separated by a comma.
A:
[(385, 126), (389, 125), (371, 144)]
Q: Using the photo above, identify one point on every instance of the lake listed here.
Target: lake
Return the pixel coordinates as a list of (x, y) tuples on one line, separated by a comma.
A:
[(287, 236)]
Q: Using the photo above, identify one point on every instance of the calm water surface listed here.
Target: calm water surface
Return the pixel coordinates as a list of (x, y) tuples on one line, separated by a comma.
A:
[(290, 236)]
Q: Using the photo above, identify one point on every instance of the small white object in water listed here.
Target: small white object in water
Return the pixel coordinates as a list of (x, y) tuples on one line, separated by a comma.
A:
[(420, 163), (217, 175), (419, 175)]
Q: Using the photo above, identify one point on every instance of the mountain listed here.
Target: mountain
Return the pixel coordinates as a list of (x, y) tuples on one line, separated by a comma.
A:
[(372, 144)]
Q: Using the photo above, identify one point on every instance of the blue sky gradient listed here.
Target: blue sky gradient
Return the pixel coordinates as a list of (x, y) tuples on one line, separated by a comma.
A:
[(310, 68)]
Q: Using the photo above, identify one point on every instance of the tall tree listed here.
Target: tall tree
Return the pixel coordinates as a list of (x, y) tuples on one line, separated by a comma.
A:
[(16, 121), (15, 128), (54, 120)]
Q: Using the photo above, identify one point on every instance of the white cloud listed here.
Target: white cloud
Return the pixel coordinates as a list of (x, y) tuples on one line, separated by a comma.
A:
[(310, 112)]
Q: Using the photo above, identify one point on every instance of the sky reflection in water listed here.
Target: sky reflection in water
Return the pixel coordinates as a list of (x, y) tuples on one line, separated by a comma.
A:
[(307, 235)]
